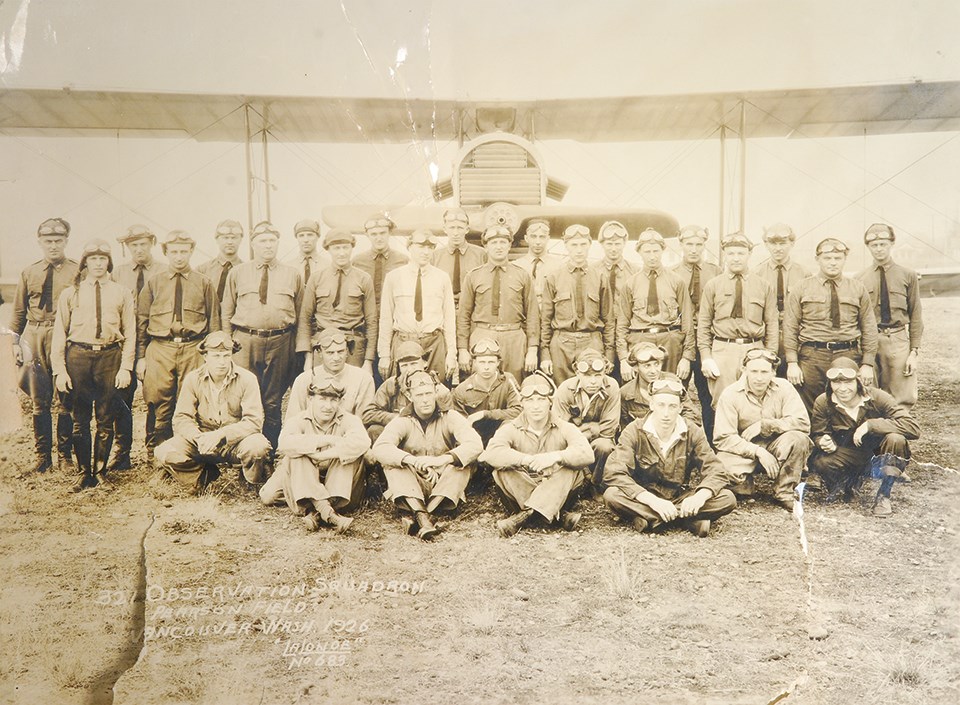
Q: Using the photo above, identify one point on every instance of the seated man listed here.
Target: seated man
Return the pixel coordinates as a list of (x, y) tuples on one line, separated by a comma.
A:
[(646, 359), (663, 470), (591, 401), (538, 460), (426, 452), (859, 431), (489, 396), (218, 419), (389, 400), (761, 422), (330, 352), (320, 460)]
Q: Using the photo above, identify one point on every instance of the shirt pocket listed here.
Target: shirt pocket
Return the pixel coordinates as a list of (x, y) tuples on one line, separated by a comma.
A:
[(814, 307), (195, 316), (849, 307), (898, 301), (515, 298), (563, 308), (754, 310)]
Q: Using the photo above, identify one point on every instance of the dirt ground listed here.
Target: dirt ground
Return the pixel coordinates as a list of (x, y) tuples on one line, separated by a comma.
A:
[(138, 595)]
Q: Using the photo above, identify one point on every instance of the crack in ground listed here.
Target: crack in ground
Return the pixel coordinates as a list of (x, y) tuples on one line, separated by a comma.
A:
[(102, 691)]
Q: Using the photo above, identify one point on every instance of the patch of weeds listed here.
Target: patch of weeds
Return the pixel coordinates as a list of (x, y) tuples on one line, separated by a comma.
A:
[(621, 578)]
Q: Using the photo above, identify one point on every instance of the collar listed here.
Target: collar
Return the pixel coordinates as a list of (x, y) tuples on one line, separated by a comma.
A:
[(234, 261), (678, 432), (863, 400), (825, 280), (571, 267), (521, 423), (463, 249), (613, 265), (502, 266), (90, 281), (731, 276), (471, 383), (231, 374), (690, 265), (269, 265), (315, 257), (171, 274), (408, 411), (885, 267), (56, 265), (658, 271), (602, 392), (742, 387)]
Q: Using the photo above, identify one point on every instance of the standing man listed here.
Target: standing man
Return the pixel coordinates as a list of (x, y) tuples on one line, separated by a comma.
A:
[(94, 344), (577, 309), (260, 310), (380, 259), (340, 297), (895, 292), (134, 275), (613, 237), (417, 304), (763, 424), (458, 257), (308, 259), (499, 303), (489, 396), (695, 273), (738, 313), (229, 234), (175, 311), (217, 421), (538, 260), (827, 316), (655, 306), (782, 274), (34, 312)]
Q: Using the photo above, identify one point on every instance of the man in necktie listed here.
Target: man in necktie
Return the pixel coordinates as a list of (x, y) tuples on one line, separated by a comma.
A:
[(229, 235), (498, 303), (827, 316), (175, 311), (538, 260), (34, 310), (94, 345), (655, 306), (341, 297), (308, 259), (134, 275), (695, 271), (577, 310), (458, 256), (613, 237), (782, 273), (259, 310), (895, 292)]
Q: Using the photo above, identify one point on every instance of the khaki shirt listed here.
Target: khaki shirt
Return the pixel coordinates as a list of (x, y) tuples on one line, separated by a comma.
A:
[(396, 307), (738, 409), (26, 305), (793, 274), (356, 312), (571, 403), (128, 273), (357, 384), (626, 270), (708, 271), (232, 406), (544, 265), (214, 268), (241, 299), (759, 320), (499, 401), (367, 262), (516, 439), (904, 287), (318, 261), (444, 432), (676, 308), (471, 257), (390, 400), (807, 316), (559, 306), (518, 302), (76, 321), (201, 310), (301, 435)]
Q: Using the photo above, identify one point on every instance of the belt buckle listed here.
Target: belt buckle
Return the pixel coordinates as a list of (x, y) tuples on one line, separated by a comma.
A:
[(177, 339), (96, 348)]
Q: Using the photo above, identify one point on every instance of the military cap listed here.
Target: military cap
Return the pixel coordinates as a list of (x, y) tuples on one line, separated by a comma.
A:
[(264, 227), (229, 227), (644, 351), (537, 383), (879, 231), (779, 232), (496, 231), (668, 384), (576, 230), (689, 232), (306, 226), (326, 386), (650, 236), (537, 224), (380, 220), (737, 239), (54, 226), (218, 340), (831, 244), (327, 337), (409, 350), (456, 215), (136, 232), (423, 237), (338, 236), (178, 237), (611, 229), (485, 346), (418, 379)]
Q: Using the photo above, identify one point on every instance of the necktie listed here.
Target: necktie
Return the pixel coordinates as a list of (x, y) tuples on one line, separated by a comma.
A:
[(378, 274), (884, 298), (578, 273), (306, 271), (536, 266), (613, 282), (456, 272), (418, 297), (653, 301), (495, 297), (336, 298), (264, 283), (695, 285), (46, 294), (99, 306), (834, 305), (223, 279), (737, 297), (140, 277), (780, 291), (178, 298)]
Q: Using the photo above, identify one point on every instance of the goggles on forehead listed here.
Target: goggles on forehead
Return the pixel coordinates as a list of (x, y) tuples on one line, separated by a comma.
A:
[(670, 386), (530, 390), (597, 364), (139, 231), (53, 227), (229, 230), (878, 231), (841, 373), (326, 388), (324, 341), (761, 354), (378, 223), (97, 250), (497, 231), (576, 230), (648, 354), (538, 226), (485, 347), (831, 247)]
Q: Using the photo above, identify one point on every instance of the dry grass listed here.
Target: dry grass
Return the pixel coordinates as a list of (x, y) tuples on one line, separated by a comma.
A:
[(621, 577), (484, 617)]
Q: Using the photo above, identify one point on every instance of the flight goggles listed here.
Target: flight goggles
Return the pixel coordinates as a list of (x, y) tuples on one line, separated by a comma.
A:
[(137, 231), (485, 347), (761, 354), (576, 230), (667, 386), (228, 228), (646, 354), (597, 364), (54, 226), (612, 229), (878, 231), (97, 247), (379, 222), (329, 337), (327, 387), (830, 246), (537, 384), (841, 373)]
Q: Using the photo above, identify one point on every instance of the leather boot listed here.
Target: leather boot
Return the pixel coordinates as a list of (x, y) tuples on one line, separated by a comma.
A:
[(101, 453), (511, 525), (570, 520), (123, 427), (43, 431), (65, 443), (339, 523), (427, 530)]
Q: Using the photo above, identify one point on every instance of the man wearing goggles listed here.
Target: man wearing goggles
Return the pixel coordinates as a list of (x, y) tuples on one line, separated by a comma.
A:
[(577, 309), (229, 235), (489, 396), (498, 303), (895, 292), (656, 307), (828, 316), (663, 470), (428, 456), (762, 424), (319, 467), (538, 260), (738, 313), (859, 432), (646, 359), (34, 311), (591, 401), (457, 257), (217, 421), (538, 461)]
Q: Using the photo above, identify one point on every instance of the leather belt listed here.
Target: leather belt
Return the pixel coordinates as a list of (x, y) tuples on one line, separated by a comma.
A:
[(498, 326), (40, 324), (839, 345), (96, 347), (655, 329), (891, 328), (179, 338), (738, 341), (259, 333), (415, 336)]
